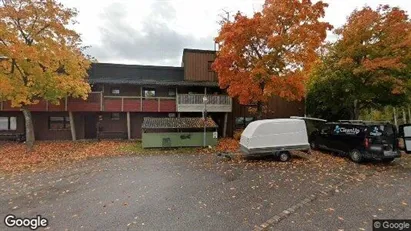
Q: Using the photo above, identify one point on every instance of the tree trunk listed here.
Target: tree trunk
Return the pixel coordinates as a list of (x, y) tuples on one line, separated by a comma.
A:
[(395, 117), (409, 114), (259, 110), (29, 128), (404, 116), (356, 112)]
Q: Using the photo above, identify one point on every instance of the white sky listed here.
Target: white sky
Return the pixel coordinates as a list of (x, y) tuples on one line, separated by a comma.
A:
[(154, 32)]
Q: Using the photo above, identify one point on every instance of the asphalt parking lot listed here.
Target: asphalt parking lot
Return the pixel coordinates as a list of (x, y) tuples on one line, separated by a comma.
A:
[(205, 192)]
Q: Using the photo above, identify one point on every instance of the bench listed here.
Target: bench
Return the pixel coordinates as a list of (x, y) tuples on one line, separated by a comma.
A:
[(19, 137)]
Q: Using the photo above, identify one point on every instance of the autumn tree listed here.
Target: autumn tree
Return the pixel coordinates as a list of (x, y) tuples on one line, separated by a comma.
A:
[(270, 53), (369, 66), (42, 57)]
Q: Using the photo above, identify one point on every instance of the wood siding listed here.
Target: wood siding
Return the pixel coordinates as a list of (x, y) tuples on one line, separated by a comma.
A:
[(277, 108), (196, 66)]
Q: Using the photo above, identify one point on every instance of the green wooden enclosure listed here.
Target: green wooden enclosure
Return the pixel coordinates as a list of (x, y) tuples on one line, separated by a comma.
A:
[(177, 139)]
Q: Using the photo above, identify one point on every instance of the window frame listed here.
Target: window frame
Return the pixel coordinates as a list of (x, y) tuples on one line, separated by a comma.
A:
[(115, 89), (149, 89), (114, 117), (9, 123), (173, 92), (327, 129), (244, 123), (66, 123)]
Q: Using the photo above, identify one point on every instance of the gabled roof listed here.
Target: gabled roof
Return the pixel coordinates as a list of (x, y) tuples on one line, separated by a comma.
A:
[(164, 123)]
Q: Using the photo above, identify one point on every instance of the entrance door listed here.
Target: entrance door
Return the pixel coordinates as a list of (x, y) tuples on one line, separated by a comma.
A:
[(90, 126)]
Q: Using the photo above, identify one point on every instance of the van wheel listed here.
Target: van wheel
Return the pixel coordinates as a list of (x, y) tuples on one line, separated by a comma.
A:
[(356, 156), (284, 156), (387, 160)]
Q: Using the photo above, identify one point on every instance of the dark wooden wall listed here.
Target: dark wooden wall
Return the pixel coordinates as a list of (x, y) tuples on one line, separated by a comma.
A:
[(196, 66), (276, 108)]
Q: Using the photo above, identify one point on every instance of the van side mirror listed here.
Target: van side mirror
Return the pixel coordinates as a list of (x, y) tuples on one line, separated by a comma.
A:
[(405, 133)]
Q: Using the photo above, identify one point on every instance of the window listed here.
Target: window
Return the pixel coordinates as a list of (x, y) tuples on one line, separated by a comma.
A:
[(115, 116), (242, 122), (13, 123), (115, 91), (326, 130), (149, 92), (8, 123), (171, 92), (210, 66), (59, 123)]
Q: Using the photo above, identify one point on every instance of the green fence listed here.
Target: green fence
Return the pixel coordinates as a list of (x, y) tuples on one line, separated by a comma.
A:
[(178, 139)]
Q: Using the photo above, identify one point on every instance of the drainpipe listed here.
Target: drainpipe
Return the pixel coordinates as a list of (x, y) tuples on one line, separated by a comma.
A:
[(395, 117), (72, 126), (128, 126)]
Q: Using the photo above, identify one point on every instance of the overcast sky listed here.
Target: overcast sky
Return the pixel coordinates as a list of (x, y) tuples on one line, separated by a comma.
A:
[(154, 32)]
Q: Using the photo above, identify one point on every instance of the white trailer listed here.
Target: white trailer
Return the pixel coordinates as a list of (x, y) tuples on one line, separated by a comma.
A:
[(274, 137)]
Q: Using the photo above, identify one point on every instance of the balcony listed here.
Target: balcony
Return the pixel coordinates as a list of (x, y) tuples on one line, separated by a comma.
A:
[(194, 103), (92, 103), (97, 102), (139, 104)]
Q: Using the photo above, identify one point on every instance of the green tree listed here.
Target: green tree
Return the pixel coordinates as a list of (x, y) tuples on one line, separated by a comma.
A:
[(369, 66)]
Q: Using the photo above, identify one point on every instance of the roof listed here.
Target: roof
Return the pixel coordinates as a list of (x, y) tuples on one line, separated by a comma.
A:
[(109, 73), (361, 123), (272, 126), (198, 51), (135, 72), (192, 122), (307, 118), (152, 82)]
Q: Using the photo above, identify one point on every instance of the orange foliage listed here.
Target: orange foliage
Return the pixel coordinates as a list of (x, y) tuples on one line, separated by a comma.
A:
[(43, 55), (375, 45), (228, 145), (270, 53), (237, 134), (14, 156)]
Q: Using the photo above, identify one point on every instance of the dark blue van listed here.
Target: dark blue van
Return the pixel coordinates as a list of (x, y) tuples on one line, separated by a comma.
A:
[(359, 140)]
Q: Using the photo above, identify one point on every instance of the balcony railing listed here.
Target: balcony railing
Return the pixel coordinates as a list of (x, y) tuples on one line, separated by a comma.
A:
[(94, 102), (139, 104), (97, 102), (194, 103)]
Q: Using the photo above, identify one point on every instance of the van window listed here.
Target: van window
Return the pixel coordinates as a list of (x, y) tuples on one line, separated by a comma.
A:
[(326, 129), (380, 130)]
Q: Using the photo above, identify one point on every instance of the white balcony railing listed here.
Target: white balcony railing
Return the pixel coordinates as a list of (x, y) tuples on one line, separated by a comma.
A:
[(194, 103)]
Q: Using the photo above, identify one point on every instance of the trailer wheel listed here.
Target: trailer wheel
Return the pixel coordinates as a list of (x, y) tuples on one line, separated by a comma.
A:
[(313, 145), (284, 156), (356, 156), (387, 160)]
